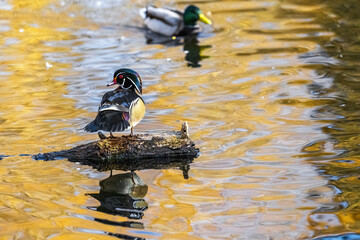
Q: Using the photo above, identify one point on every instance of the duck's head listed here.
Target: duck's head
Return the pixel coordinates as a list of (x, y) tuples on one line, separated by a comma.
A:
[(127, 79), (192, 14)]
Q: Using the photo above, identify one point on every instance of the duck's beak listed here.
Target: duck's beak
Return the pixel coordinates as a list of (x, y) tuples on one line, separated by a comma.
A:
[(112, 83), (204, 19)]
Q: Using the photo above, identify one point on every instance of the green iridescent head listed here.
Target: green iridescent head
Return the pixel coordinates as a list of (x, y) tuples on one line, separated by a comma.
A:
[(193, 14), (127, 79)]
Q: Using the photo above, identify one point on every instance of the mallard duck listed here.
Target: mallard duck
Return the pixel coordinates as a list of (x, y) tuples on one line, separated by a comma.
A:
[(122, 108), (171, 22)]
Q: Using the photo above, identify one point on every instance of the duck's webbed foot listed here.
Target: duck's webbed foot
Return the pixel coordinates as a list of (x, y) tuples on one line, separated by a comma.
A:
[(111, 135), (101, 135)]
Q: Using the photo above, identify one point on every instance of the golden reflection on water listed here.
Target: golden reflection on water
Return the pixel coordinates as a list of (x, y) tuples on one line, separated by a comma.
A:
[(31, 95), (260, 91)]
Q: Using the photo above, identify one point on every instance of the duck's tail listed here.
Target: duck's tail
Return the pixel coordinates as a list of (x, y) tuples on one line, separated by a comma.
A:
[(109, 121), (92, 127)]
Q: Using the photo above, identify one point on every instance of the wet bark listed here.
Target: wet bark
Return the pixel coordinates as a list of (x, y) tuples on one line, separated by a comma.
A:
[(143, 151)]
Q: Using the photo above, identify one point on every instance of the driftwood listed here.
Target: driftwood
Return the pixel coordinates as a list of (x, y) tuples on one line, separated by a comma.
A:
[(171, 149)]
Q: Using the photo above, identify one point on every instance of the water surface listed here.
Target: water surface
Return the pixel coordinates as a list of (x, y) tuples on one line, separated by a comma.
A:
[(270, 93)]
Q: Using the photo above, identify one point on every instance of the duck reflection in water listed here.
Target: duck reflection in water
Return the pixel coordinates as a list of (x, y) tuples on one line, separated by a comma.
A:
[(123, 195), (192, 49)]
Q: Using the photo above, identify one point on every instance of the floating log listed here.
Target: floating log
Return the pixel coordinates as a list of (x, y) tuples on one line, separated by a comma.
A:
[(142, 151)]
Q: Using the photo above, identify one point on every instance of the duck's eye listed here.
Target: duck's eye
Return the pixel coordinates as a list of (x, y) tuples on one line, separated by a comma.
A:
[(121, 76)]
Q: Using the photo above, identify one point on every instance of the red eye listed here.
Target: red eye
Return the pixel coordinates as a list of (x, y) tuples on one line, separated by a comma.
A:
[(121, 76)]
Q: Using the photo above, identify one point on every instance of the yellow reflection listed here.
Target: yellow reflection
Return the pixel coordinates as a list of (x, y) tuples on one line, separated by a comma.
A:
[(249, 100), (33, 107), (249, 92)]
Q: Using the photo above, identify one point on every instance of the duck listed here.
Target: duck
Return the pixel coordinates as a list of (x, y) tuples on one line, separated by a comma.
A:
[(122, 108), (172, 22)]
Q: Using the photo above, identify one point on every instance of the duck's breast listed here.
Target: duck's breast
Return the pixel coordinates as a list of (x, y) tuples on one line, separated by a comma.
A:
[(137, 111)]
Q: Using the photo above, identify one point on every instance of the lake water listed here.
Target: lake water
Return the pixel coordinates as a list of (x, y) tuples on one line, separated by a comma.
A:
[(270, 92)]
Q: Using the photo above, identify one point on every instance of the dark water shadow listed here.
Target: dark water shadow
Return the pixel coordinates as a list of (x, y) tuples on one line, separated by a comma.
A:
[(123, 195), (182, 164), (192, 49)]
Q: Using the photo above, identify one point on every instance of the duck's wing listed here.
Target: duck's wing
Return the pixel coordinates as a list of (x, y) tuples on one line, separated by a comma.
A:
[(117, 101), (113, 115), (164, 21)]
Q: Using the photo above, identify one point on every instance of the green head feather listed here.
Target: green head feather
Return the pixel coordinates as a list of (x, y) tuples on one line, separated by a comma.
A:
[(192, 14)]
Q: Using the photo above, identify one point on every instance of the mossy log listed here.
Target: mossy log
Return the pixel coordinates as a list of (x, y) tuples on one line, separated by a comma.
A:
[(142, 151)]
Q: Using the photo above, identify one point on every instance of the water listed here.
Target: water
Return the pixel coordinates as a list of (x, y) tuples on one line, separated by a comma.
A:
[(270, 93)]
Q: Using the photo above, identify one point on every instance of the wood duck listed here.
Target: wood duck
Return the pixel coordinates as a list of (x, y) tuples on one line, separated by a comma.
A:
[(172, 22), (122, 108)]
